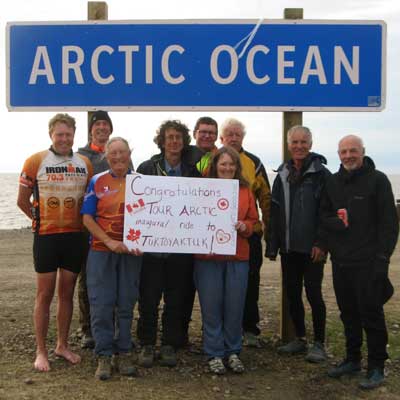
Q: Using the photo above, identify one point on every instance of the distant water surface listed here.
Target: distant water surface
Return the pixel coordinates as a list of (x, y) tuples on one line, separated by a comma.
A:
[(12, 218)]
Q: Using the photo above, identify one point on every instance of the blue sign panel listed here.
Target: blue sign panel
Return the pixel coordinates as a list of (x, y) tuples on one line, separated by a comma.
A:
[(278, 65)]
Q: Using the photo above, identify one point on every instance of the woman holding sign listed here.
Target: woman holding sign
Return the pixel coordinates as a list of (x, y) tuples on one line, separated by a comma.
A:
[(112, 270), (221, 280)]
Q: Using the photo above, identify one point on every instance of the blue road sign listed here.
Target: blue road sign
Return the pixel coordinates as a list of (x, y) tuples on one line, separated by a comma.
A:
[(277, 65)]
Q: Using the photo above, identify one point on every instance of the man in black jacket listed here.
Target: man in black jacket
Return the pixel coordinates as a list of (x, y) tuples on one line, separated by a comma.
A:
[(359, 227), (292, 231)]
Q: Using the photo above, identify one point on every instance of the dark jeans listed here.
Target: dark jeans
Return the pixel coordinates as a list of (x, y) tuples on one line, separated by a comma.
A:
[(358, 296), (188, 304), (296, 268), (172, 278), (251, 316)]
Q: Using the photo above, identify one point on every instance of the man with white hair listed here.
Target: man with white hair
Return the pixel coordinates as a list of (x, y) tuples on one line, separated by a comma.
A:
[(292, 232), (232, 134), (359, 227)]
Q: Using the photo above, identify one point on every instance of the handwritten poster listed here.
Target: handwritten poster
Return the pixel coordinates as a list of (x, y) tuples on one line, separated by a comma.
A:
[(180, 215)]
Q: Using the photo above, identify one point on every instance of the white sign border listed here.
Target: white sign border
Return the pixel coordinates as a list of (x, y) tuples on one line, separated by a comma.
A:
[(203, 22)]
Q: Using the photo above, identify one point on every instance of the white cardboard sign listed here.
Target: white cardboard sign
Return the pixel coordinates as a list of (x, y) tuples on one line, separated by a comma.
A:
[(180, 215)]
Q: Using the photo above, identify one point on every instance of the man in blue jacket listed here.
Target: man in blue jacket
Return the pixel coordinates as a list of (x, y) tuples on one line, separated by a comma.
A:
[(292, 231), (359, 227)]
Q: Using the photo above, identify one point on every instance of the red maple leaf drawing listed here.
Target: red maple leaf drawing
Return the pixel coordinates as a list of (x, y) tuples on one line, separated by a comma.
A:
[(133, 235)]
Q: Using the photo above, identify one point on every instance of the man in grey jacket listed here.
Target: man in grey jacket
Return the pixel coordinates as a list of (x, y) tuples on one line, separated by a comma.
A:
[(100, 129), (292, 232)]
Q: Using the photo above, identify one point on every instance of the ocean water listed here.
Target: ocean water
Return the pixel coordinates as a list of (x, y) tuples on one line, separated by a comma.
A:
[(12, 218)]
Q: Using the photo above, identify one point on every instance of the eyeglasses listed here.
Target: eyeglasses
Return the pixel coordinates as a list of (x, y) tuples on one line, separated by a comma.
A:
[(209, 133)]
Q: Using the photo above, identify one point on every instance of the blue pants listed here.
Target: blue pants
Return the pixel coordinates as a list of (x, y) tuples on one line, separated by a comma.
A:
[(221, 286), (113, 288)]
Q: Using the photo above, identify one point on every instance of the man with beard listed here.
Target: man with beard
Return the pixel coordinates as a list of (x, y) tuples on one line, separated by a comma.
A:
[(359, 227)]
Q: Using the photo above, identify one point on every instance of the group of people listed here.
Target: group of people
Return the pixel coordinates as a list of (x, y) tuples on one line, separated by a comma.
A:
[(70, 196)]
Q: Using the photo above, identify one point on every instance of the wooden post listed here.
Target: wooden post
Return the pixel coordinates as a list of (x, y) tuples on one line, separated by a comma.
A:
[(290, 119), (97, 10)]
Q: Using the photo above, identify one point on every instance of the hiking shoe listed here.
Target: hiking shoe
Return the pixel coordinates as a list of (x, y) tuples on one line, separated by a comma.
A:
[(316, 353), (216, 366), (235, 364), (345, 368), (103, 371), (146, 356), (124, 364), (87, 341), (375, 377), (294, 347), (251, 340), (168, 356)]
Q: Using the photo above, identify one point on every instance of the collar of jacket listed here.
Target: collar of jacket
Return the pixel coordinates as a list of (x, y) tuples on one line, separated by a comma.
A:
[(97, 149), (313, 163), (347, 176), (70, 154)]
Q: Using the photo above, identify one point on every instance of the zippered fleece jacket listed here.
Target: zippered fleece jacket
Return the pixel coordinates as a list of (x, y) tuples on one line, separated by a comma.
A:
[(373, 228)]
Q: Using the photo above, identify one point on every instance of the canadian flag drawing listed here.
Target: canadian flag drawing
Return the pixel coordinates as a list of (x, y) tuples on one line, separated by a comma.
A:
[(135, 207)]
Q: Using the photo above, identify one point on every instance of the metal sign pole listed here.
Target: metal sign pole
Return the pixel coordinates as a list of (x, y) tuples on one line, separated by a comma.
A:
[(289, 119), (97, 10)]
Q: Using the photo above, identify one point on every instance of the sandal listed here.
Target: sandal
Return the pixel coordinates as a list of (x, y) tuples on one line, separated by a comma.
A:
[(235, 364), (216, 366)]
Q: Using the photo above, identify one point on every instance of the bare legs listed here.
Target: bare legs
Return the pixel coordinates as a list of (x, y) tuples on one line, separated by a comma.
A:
[(46, 283), (44, 294), (65, 306)]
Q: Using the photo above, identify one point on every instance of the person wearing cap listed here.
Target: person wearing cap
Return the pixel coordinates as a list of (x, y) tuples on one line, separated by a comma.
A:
[(100, 129)]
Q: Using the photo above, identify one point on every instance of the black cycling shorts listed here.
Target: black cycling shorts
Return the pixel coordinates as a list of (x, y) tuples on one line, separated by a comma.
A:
[(59, 250)]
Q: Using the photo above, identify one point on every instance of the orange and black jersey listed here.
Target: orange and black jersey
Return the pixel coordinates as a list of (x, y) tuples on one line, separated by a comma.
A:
[(58, 184)]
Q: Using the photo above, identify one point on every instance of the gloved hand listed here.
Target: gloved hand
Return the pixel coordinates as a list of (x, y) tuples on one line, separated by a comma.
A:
[(381, 284), (269, 254)]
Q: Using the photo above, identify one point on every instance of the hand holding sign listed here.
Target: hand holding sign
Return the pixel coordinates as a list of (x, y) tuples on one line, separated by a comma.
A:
[(240, 226)]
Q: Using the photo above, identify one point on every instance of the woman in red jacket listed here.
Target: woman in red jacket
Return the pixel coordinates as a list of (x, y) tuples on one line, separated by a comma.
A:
[(221, 280)]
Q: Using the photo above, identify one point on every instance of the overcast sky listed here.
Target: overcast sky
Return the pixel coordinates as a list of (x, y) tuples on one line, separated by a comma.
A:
[(24, 133)]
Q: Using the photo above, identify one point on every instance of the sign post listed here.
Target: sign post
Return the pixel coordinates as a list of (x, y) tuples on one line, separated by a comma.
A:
[(97, 10), (290, 118)]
